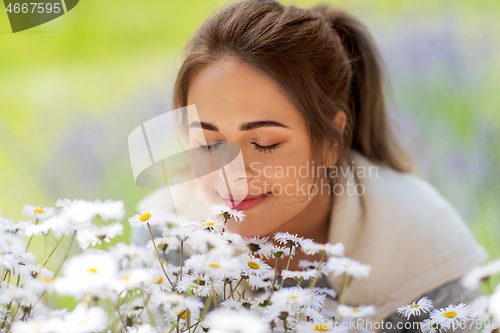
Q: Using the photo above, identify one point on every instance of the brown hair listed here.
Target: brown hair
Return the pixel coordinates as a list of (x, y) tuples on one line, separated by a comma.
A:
[(323, 58)]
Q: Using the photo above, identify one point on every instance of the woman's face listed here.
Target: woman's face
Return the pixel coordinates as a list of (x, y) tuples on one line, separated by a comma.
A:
[(237, 104)]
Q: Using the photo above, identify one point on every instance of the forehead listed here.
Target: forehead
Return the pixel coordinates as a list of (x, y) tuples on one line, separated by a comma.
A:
[(231, 91)]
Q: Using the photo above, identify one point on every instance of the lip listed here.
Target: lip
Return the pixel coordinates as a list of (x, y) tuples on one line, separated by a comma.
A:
[(249, 201)]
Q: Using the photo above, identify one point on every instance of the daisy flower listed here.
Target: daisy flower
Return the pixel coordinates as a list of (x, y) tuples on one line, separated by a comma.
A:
[(204, 241), (64, 203), (10, 225), (286, 238), (494, 305), (228, 213), (87, 273), (152, 217), (452, 315), (110, 209), (258, 246), (11, 242), (177, 305), (310, 247), (144, 328), (37, 325), (199, 284), (298, 275), (429, 326), (296, 297), (85, 319), (253, 266), (355, 312), (217, 267), (347, 266), (37, 212), (423, 305), (223, 320), (213, 223), (98, 234), (472, 279)]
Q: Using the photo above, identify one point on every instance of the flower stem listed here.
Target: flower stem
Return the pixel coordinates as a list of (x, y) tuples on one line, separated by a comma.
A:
[(159, 260), (65, 256), (182, 253), (313, 282), (344, 290), (243, 292), (51, 253), (274, 279), (287, 265)]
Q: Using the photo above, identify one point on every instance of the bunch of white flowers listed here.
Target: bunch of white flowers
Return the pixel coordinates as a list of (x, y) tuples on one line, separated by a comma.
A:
[(196, 277)]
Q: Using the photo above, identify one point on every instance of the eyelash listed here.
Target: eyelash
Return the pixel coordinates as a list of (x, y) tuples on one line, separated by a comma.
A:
[(262, 149)]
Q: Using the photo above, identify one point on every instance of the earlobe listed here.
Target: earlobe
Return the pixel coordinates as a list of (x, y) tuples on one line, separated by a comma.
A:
[(332, 153), (339, 121)]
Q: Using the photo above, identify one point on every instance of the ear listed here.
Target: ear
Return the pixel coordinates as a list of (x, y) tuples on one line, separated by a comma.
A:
[(332, 153)]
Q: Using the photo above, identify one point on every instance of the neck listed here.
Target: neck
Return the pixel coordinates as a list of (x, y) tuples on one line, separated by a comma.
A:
[(312, 222)]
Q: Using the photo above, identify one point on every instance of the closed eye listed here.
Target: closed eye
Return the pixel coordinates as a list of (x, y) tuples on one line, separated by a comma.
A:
[(266, 149), (210, 147)]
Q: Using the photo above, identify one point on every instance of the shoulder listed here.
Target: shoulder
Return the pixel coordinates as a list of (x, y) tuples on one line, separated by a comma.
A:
[(405, 192)]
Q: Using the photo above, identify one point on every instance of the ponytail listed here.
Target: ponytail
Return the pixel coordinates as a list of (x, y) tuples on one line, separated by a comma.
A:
[(371, 134)]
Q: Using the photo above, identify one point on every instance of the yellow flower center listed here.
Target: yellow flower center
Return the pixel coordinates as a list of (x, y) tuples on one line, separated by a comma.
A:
[(39, 211), (210, 224), (213, 265), (414, 306), (355, 310), (183, 314), (253, 265), (159, 280), (450, 314), (322, 328), (293, 297), (145, 217), (126, 278), (92, 270)]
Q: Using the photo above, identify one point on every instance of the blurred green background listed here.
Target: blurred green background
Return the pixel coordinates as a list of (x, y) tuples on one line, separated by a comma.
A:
[(73, 89)]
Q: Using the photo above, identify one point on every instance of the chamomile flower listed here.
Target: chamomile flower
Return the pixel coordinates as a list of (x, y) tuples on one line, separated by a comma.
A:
[(347, 266), (11, 242), (10, 225), (85, 319), (451, 315), (199, 284), (299, 275), (296, 297), (110, 209), (152, 217), (37, 325), (228, 213), (37, 212), (429, 326), (310, 247), (98, 234), (144, 328), (423, 305), (361, 311), (253, 266), (494, 305), (217, 267), (214, 223), (87, 273), (288, 239), (472, 279), (225, 321), (64, 203), (205, 241), (177, 305)]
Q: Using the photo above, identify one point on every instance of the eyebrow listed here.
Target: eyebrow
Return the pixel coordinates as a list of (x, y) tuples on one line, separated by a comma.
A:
[(243, 127)]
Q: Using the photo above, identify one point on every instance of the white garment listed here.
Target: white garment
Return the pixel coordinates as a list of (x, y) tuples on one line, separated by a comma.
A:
[(412, 238)]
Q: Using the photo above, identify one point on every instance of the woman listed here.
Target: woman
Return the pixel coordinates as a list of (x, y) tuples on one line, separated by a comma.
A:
[(295, 88)]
